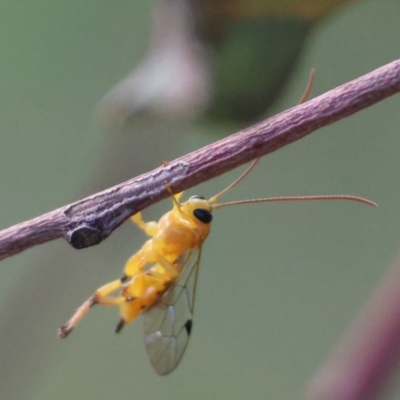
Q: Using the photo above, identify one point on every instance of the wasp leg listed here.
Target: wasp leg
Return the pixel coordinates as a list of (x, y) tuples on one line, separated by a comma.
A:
[(141, 292), (99, 296), (145, 256), (168, 267), (129, 308), (150, 228), (135, 265)]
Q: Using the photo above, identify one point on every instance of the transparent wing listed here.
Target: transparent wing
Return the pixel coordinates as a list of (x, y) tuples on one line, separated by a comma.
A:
[(168, 324)]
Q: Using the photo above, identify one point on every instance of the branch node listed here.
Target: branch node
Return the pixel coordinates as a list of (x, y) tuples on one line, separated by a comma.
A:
[(85, 236)]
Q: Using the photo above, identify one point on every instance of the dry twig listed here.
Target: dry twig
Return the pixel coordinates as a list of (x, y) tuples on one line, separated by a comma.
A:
[(88, 221)]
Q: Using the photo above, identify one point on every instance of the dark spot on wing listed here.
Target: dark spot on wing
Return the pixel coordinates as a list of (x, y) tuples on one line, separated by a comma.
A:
[(188, 326)]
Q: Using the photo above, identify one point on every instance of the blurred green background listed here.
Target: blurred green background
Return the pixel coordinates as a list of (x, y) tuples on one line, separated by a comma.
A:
[(279, 282)]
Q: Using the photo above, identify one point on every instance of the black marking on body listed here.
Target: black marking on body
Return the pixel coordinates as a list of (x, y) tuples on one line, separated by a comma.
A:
[(188, 326)]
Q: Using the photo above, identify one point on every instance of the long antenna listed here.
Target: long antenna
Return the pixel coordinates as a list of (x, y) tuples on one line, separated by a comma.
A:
[(235, 182), (298, 198), (303, 98), (310, 84), (285, 198)]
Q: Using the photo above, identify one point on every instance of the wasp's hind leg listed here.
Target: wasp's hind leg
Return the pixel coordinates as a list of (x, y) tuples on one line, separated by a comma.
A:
[(139, 293), (99, 297)]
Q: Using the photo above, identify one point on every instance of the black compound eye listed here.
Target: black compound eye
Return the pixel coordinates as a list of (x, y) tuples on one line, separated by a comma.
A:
[(196, 197), (203, 215)]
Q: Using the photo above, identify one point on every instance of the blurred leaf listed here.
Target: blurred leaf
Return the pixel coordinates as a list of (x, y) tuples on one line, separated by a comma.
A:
[(227, 59), (252, 65), (257, 45), (217, 15)]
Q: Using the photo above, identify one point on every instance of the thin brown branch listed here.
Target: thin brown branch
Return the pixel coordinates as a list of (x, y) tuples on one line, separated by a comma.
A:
[(87, 222)]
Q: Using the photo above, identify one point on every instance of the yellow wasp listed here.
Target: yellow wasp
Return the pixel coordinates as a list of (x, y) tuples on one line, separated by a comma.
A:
[(159, 281)]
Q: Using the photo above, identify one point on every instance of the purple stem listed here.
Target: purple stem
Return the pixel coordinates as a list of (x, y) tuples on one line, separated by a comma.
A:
[(89, 221)]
